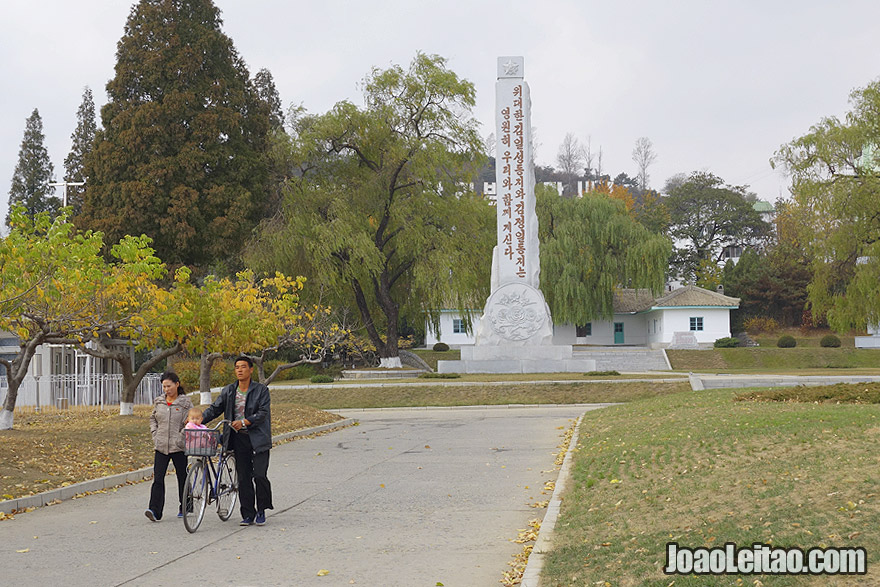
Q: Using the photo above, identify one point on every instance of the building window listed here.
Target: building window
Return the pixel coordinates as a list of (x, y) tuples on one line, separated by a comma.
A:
[(584, 330), (696, 323), (458, 326)]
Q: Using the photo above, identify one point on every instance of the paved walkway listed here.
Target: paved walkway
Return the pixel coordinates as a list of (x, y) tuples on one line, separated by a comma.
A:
[(408, 497)]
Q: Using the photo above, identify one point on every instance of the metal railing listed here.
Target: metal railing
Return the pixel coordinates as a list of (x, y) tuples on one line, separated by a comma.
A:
[(62, 391)]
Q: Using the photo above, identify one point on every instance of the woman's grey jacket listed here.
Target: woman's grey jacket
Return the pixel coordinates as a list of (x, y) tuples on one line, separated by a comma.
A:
[(167, 422)]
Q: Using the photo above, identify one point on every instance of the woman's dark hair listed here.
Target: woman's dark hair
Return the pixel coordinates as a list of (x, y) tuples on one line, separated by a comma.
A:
[(173, 378)]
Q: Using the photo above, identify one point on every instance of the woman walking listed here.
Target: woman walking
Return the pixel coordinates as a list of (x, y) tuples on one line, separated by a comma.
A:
[(166, 424)]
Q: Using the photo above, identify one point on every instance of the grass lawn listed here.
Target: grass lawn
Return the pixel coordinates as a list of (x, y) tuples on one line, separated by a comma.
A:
[(773, 360), (705, 468)]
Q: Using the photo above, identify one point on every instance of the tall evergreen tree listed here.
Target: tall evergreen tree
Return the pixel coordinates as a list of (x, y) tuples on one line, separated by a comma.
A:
[(82, 139), (265, 85), (181, 156), (33, 172)]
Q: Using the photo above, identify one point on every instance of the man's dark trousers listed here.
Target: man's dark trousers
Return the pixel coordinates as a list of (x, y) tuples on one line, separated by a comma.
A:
[(252, 471)]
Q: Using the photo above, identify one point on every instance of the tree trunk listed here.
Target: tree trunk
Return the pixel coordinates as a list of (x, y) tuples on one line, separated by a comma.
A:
[(259, 364), (205, 375), (130, 379), (390, 363), (16, 371), (388, 353)]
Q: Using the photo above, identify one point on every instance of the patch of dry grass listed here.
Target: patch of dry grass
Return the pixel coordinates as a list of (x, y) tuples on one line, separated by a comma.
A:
[(471, 395), (846, 393), (55, 448)]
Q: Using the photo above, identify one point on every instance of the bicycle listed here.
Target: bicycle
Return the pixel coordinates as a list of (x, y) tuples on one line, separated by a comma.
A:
[(205, 483)]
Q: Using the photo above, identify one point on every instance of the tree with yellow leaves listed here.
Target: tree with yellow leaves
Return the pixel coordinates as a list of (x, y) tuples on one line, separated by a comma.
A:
[(313, 329), (58, 288)]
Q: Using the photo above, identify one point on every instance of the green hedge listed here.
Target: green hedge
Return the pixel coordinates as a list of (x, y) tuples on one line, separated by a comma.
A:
[(786, 341), (830, 341), (728, 342)]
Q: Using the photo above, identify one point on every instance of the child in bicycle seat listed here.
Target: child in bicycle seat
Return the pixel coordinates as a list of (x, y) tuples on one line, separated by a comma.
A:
[(194, 422)]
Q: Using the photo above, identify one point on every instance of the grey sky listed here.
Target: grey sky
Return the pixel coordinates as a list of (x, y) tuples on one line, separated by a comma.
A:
[(716, 86)]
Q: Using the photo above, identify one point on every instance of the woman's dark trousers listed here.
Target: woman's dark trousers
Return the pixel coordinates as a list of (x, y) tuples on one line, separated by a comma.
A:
[(160, 467)]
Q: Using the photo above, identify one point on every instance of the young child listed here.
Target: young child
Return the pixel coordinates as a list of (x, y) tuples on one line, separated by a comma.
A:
[(197, 440), (194, 420)]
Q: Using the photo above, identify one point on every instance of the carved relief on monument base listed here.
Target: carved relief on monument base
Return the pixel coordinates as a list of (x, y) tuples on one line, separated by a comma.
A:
[(515, 314)]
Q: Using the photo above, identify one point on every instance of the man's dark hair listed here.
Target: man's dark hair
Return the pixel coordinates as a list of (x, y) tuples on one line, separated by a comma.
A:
[(250, 361)]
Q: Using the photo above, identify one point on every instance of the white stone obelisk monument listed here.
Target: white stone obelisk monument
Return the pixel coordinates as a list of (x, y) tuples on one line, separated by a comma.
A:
[(515, 333), (515, 313)]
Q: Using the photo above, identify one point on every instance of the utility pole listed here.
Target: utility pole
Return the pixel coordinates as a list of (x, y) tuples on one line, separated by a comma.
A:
[(64, 184)]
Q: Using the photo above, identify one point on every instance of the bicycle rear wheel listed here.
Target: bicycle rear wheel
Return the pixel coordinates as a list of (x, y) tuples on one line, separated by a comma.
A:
[(195, 495), (227, 487)]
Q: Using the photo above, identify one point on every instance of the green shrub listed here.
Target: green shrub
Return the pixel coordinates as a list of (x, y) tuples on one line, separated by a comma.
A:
[(601, 373), (829, 341), (440, 347), (439, 376), (321, 379), (786, 341), (728, 342)]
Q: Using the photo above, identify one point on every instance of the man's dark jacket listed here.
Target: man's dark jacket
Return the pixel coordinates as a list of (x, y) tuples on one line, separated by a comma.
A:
[(256, 411)]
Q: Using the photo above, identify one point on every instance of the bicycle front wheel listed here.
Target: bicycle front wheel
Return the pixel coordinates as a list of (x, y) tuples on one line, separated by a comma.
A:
[(195, 495), (227, 487)]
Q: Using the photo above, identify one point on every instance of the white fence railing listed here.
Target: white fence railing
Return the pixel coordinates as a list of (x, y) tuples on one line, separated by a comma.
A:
[(62, 391)]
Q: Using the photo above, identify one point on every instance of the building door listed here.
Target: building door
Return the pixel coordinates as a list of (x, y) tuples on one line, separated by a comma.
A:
[(618, 333)]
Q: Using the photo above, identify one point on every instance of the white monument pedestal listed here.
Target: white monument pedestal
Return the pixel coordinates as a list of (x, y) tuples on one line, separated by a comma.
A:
[(517, 359)]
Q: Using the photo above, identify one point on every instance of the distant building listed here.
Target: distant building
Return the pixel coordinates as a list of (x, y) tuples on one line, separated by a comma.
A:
[(640, 319)]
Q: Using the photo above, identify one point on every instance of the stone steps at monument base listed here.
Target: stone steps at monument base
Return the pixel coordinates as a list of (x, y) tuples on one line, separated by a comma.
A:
[(625, 360)]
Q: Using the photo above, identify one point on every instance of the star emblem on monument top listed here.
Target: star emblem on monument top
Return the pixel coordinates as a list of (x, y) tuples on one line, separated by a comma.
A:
[(511, 67)]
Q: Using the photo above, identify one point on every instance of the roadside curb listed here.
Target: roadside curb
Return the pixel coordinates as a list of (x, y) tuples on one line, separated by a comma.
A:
[(132, 477), (532, 574), (683, 378), (472, 407)]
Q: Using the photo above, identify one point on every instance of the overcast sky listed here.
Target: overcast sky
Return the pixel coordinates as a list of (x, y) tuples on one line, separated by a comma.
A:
[(716, 85)]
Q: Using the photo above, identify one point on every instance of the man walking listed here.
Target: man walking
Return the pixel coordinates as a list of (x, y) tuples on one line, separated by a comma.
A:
[(247, 404)]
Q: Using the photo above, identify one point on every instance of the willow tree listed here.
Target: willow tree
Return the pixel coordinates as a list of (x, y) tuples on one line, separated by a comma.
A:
[(835, 175), (591, 246), (378, 214)]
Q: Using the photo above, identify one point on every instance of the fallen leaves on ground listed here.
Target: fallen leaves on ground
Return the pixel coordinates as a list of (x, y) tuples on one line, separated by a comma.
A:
[(57, 448)]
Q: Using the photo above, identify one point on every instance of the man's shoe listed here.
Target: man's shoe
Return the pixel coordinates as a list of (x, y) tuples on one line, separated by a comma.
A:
[(246, 522), (260, 519), (179, 514), (151, 516)]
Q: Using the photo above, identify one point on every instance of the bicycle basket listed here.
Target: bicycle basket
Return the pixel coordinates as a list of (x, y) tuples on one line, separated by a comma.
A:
[(200, 442)]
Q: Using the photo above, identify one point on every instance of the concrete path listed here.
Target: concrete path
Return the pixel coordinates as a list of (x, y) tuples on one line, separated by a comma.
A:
[(408, 497)]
